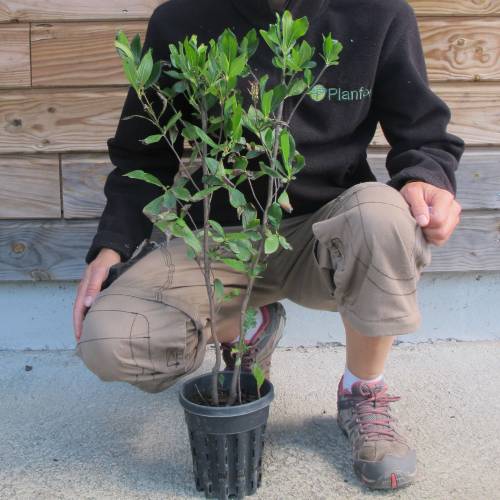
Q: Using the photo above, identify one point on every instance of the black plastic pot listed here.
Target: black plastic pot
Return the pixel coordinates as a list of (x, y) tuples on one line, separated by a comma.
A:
[(226, 441)]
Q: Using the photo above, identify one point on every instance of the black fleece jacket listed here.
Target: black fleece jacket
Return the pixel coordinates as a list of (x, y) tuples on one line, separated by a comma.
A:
[(382, 77)]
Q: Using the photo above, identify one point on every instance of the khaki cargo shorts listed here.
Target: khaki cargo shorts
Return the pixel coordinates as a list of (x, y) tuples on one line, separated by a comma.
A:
[(360, 254)]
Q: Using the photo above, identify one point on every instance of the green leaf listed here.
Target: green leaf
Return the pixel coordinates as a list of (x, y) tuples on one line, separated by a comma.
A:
[(172, 121), (271, 244), (258, 374), (250, 320), (124, 50), (144, 176), (221, 379), (237, 265), (266, 102), (145, 68), (155, 74), (203, 136), (212, 164), (237, 66), (299, 28), (216, 227), (284, 202), (285, 146), (219, 289), (284, 243), (152, 139), (237, 198), (297, 87), (275, 214), (181, 193), (250, 42), (203, 193), (130, 72), (135, 46), (331, 49)]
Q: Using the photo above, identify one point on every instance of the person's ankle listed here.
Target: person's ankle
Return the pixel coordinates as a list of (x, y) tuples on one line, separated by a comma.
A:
[(349, 379)]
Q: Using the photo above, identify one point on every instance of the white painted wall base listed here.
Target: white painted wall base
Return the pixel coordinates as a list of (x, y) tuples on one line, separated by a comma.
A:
[(457, 306)]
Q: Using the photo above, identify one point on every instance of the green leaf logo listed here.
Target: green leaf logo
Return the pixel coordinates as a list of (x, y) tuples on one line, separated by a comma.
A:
[(318, 92)]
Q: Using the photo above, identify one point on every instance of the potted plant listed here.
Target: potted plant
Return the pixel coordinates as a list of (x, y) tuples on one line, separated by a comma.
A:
[(226, 412)]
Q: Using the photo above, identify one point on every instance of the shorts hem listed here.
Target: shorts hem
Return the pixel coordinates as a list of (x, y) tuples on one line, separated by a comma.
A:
[(383, 328)]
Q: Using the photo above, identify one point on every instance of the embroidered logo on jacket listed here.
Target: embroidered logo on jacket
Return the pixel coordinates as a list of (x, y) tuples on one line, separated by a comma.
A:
[(320, 92)]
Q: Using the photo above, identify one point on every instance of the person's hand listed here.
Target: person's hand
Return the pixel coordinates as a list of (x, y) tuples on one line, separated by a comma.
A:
[(435, 210), (90, 285)]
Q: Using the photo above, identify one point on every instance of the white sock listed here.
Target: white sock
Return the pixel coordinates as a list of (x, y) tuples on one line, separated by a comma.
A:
[(259, 318), (350, 379)]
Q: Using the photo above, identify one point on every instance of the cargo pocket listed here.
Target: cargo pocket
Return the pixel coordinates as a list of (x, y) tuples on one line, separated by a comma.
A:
[(322, 255), (149, 344)]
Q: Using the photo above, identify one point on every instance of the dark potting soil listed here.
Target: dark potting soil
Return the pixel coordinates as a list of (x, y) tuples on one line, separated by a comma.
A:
[(206, 400)]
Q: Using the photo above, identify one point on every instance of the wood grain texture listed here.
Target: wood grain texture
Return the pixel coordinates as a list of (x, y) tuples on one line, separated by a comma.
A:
[(83, 178), (15, 55), (59, 10), (475, 112), (478, 177), (455, 7), (78, 120), (55, 250), (461, 49), (79, 54), (49, 250), (43, 120), (474, 246), (29, 187)]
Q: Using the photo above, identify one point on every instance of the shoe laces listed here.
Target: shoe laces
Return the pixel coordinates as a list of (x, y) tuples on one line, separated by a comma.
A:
[(373, 414)]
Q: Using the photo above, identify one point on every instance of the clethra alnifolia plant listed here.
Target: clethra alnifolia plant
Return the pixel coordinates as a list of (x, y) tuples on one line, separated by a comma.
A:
[(207, 75)]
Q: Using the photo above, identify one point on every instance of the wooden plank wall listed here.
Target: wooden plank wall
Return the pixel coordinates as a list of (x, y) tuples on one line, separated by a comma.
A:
[(61, 93)]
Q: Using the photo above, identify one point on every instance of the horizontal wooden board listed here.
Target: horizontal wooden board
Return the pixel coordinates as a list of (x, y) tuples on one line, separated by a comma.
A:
[(59, 10), (461, 49), (78, 54), (55, 250), (455, 7), (48, 250), (478, 177), (15, 55), (29, 187), (474, 246), (71, 120), (66, 120), (83, 177), (475, 112)]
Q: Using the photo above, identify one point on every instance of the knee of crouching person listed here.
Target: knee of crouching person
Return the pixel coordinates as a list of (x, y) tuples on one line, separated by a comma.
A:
[(101, 355)]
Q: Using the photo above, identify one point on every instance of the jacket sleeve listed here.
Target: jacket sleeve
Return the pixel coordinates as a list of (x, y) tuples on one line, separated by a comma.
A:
[(123, 225), (413, 118)]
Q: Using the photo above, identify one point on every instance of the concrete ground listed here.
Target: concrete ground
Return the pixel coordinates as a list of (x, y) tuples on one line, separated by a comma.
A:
[(66, 435)]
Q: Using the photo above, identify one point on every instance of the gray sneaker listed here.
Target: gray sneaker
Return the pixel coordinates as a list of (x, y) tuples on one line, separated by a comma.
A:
[(263, 343), (382, 457)]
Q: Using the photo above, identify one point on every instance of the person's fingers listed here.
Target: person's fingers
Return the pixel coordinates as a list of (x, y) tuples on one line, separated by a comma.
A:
[(441, 202), (440, 234), (414, 195), (97, 276), (79, 307), (88, 289)]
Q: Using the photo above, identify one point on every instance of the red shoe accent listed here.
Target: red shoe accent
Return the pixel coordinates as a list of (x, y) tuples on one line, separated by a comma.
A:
[(394, 481), (266, 318)]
